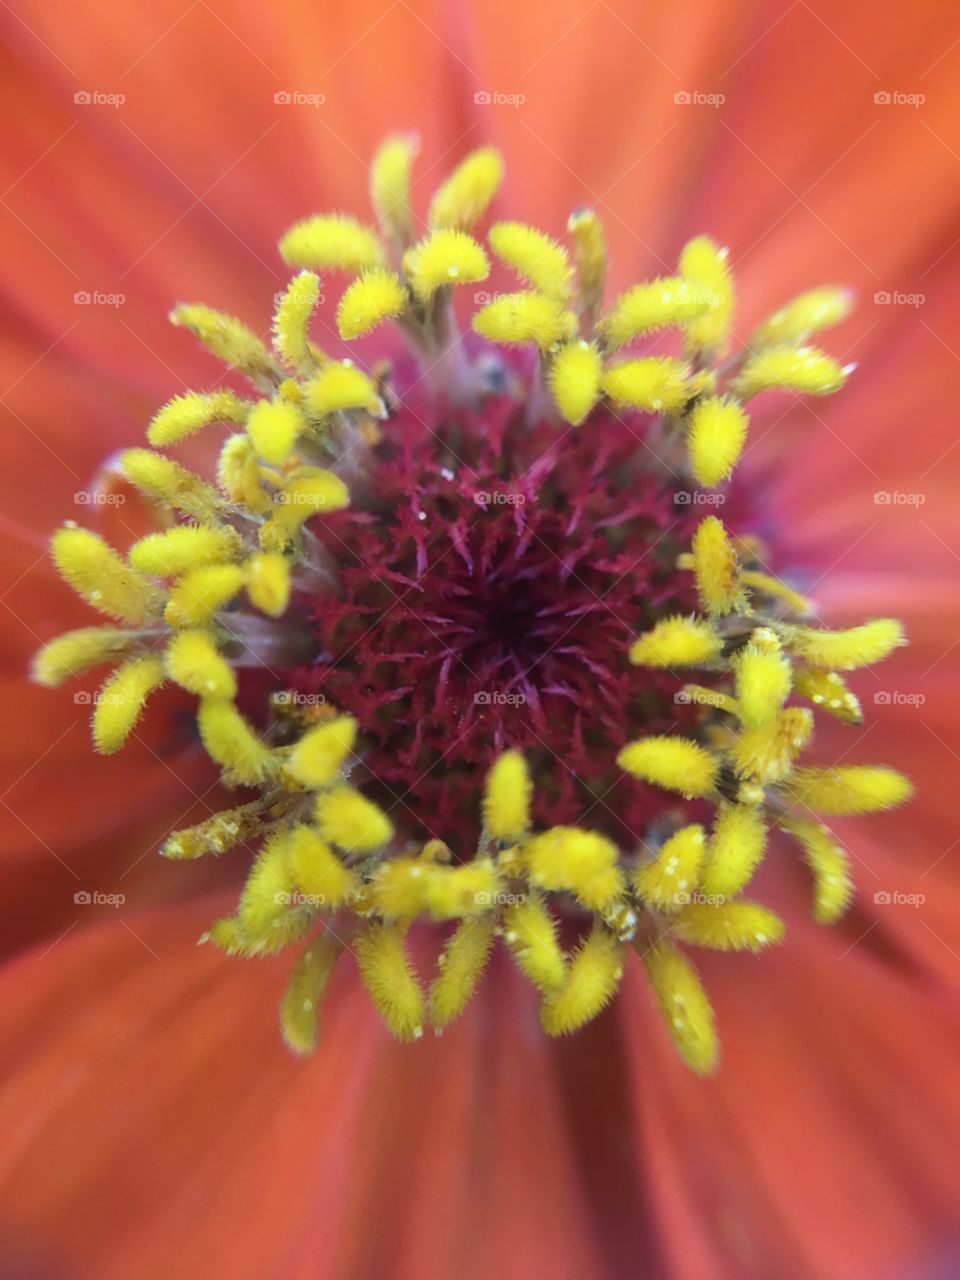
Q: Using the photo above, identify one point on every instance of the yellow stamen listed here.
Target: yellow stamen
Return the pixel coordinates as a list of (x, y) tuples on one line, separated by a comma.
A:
[(463, 199), (674, 763), (575, 374), (537, 259), (461, 966), (686, 1006), (194, 663), (184, 415), (97, 573), (506, 801), (655, 384), (387, 973), (373, 297), (331, 242), (593, 977), (304, 991), (121, 700)]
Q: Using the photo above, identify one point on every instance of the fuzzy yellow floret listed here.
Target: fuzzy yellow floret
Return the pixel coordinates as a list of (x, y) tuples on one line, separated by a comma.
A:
[(319, 756), (576, 861), (469, 890), (805, 370), (716, 433), (506, 798), (668, 880), (705, 268), (193, 662), (99, 575), (199, 594), (398, 890), (268, 582), (332, 241), (214, 835), (729, 926), (674, 763), (764, 584), (351, 821), (763, 684), (827, 690), (833, 883), (846, 650), (390, 184), (442, 259), (734, 850), (308, 491), (537, 259), (716, 569), (685, 1005), (273, 427), (77, 651), (228, 338), (644, 308), (233, 744), (121, 700), (240, 476), (185, 547), (168, 483), (766, 754), (593, 976), (375, 296), (291, 321), (530, 932), (849, 789), (303, 994), (655, 384), (811, 311), (677, 642), (269, 914), (526, 316), (461, 965), (184, 415), (341, 385), (464, 197), (317, 871), (590, 254), (387, 973), (574, 379)]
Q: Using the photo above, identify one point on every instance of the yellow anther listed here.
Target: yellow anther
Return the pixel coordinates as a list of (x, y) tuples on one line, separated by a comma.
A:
[(676, 764), (184, 415), (590, 255), (677, 642), (576, 861), (77, 651), (717, 569), (318, 873), (387, 973), (846, 650), (373, 297), (817, 309), (827, 690), (99, 575), (193, 662), (655, 384), (716, 432), (465, 196), (525, 317), (232, 743), (729, 926), (351, 821), (685, 1005), (536, 258), (166, 482), (291, 321), (849, 789), (198, 595), (763, 684), (239, 475), (593, 977), (121, 700), (390, 185), (766, 754), (319, 756), (461, 966), (530, 931), (469, 890), (273, 427), (656, 304), (310, 491), (268, 582), (341, 385), (574, 378), (228, 338), (398, 890), (669, 880), (332, 242), (214, 835), (805, 370), (832, 881), (444, 258), (764, 584), (734, 850), (184, 547), (704, 266), (269, 913), (506, 798), (704, 696), (303, 994)]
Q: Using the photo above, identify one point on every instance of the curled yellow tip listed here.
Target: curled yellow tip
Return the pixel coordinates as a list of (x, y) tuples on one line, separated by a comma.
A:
[(574, 379), (121, 700), (331, 242), (446, 257), (677, 764), (387, 972), (506, 800), (592, 979), (525, 317), (464, 197), (373, 297)]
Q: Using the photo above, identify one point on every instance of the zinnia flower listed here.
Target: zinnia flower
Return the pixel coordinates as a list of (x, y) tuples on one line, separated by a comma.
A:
[(479, 577)]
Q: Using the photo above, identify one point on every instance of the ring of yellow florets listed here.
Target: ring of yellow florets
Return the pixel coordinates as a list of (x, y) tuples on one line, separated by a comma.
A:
[(194, 597)]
